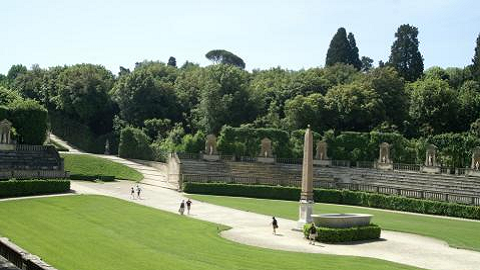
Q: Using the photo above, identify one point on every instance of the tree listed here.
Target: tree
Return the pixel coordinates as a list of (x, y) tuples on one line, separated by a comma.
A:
[(225, 99), (123, 71), (83, 95), (8, 96), (302, 111), (356, 107), (225, 57), (30, 84), (433, 106), (354, 57), (343, 50), (476, 60), (388, 84), (367, 63), (405, 56), (469, 100), (172, 61), (15, 71), (339, 50), (141, 96)]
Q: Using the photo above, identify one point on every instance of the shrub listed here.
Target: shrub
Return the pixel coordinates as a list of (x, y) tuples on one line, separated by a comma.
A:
[(29, 119), (348, 197), (134, 143), (338, 235), (16, 188)]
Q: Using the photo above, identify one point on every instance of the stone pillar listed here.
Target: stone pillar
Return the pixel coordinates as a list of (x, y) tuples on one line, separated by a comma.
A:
[(211, 153), (306, 195)]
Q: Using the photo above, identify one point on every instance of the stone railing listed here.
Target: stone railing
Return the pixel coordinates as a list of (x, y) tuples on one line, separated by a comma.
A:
[(406, 167), (27, 147), (365, 164), (341, 163), (32, 174), (388, 190), (21, 258)]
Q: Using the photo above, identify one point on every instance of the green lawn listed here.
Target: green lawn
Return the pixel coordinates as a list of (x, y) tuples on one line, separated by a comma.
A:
[(102, 233), (458, 233), (90, 165)]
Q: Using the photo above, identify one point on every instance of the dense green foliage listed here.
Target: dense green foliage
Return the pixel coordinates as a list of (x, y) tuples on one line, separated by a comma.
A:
[(431, 226), (134, 144), (14, 188), (28, 117), (87, 167), (97, 231), (339, 235), (89, 105), (337, 196)]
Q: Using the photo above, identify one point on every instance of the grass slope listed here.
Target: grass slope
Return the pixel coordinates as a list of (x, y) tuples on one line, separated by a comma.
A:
[(457, 233), (90, 165), (96, 232)]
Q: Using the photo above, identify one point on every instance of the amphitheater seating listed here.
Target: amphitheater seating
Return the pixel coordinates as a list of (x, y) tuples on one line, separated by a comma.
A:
[(38, 161), (290, 174)]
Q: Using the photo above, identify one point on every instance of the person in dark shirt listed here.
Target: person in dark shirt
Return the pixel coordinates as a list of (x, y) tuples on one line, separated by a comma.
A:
[(181, 210), (312, 234), (274, 225), (189, 204)]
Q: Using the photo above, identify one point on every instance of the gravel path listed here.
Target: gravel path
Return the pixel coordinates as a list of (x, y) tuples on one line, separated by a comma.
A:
[(254, 229)]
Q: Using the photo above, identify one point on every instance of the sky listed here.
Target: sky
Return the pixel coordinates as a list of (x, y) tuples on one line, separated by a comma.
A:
[(265, 34)]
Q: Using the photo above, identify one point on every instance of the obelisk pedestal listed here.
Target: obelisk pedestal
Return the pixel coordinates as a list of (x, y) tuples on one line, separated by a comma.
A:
[(306, 196)]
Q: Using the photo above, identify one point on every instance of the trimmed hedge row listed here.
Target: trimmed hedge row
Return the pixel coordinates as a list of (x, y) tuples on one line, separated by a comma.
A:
[(338, 235), (348, 197), (105, 178), (17, 188)]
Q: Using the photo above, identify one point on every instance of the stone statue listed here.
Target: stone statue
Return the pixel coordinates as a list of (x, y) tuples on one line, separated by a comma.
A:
[(384, 155), (211, 145), (430, 159), (107, 147), (476, 158), (5, 127), (266, 148), (321, 150)]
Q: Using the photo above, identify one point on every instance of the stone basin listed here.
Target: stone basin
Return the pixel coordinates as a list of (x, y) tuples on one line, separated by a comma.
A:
[(341, 220)]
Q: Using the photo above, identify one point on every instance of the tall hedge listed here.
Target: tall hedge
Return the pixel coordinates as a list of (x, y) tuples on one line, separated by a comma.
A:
[(134, 143), (347, 197), (29, 119), (246, 141), (32, 187)]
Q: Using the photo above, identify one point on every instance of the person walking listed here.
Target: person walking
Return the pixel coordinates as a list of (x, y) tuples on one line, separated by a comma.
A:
[(132, 193), (138, 191), (189, 204), (181, 210), (274, 225), (312, 234)]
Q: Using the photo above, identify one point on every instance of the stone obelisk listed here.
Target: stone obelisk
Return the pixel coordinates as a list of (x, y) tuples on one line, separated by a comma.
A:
[(306, 196)]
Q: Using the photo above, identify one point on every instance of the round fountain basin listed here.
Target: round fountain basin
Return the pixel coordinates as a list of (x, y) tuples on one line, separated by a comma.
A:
[(341, 220)]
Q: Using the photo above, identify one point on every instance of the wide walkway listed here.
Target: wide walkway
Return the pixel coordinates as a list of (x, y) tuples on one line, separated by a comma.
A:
[(254, 229), (151, 175)]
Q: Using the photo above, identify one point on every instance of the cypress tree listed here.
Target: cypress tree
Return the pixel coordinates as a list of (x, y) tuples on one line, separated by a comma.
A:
[(354, 57), (339, 50), (476, 60), (405, 56)]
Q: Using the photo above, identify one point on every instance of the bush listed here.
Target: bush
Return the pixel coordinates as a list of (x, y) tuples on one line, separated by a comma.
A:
[(348, 197), (338, 235), (245, 141), (29, 119), (134, 143), (16, 188)]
